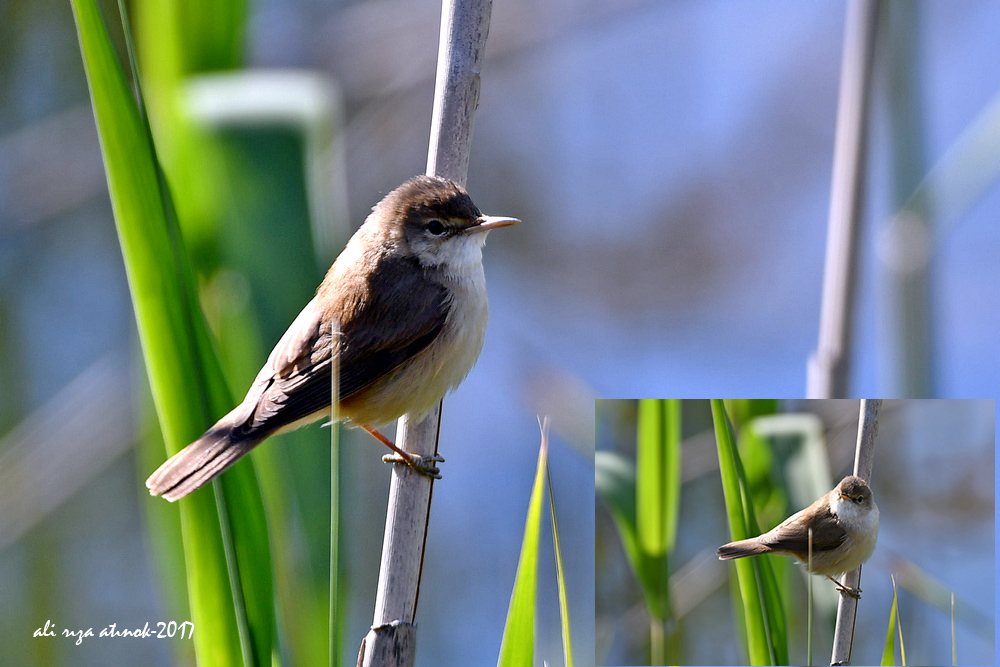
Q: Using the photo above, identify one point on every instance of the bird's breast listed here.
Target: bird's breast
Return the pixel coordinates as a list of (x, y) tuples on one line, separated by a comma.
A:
[(416, 386)]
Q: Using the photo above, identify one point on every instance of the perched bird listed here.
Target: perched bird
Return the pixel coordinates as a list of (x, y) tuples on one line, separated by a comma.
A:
[(844, 526), (402, 313)]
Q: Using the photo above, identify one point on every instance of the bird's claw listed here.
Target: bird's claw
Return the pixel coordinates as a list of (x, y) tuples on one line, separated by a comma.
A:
[(853, 592), (425, 465)]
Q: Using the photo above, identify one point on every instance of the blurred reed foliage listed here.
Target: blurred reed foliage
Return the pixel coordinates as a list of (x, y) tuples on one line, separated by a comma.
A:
[(770, 463), (226, 551), (236, 188)]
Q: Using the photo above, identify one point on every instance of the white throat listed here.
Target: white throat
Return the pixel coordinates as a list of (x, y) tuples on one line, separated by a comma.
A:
[(855, 517)]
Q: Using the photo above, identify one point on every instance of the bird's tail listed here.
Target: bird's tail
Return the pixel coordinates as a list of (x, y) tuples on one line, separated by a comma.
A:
[(741, 549), (202, 461)]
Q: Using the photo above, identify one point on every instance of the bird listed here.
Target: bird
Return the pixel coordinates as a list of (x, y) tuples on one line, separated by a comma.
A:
[(402, 315), (844, 523)]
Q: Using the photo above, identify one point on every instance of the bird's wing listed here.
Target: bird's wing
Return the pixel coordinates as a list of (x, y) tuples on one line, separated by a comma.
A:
[(376, 340), (791, 534), (295, 381)]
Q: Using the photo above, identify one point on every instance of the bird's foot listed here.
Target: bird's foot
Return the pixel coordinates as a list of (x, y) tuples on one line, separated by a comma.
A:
[(853, 592), (421, 464), (425, 465)]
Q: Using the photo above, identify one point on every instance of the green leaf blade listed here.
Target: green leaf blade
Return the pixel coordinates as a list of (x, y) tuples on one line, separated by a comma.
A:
[(187, 385), (650, 488), (753, 615), (518, 644), (560, 570)]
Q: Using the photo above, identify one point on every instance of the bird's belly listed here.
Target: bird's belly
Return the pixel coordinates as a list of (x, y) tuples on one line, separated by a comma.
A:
[(417, 386)]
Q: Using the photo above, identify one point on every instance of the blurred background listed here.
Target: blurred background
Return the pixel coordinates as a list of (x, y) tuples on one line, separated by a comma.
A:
[(933, 483), (671, 161)]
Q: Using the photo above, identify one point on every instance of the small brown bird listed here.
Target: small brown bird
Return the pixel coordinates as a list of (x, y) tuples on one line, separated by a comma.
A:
[(402, 311), (844, 524)]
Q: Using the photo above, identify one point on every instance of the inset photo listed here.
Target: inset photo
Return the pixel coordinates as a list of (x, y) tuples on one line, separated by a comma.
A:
[(734, 532)]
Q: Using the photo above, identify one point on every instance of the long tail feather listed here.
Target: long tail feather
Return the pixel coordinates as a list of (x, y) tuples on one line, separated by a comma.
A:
[(742, 549), (200, 462)]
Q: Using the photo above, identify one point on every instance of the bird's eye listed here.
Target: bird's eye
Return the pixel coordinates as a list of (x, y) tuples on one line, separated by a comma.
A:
[(435, 227)]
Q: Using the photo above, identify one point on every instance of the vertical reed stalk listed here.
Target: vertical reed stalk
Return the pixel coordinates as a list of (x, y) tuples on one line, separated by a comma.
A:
[(847, 608), (827, 372), (392, 640)]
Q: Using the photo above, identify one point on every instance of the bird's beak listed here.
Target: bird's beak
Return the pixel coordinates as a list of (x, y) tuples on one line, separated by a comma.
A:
[(845, 496), (487, 222)]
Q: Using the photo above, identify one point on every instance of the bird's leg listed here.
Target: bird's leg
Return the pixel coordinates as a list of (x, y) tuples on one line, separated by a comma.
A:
[(425, 465), (853, 592)]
